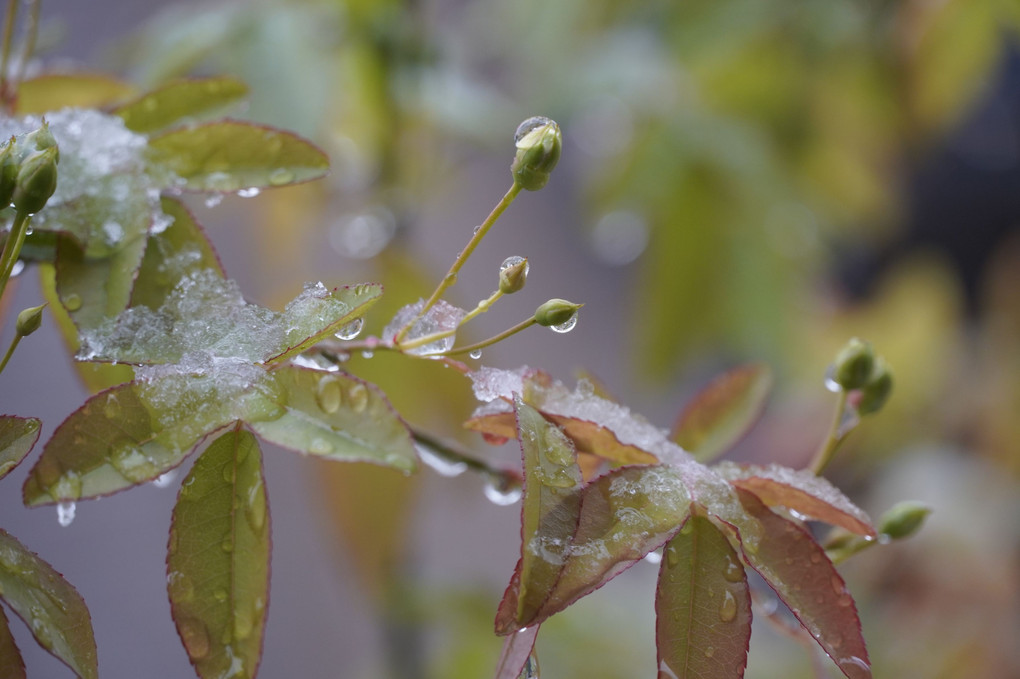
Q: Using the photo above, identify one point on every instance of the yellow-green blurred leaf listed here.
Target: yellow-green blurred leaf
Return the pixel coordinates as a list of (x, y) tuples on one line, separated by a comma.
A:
[(180, 101), (50, 92)]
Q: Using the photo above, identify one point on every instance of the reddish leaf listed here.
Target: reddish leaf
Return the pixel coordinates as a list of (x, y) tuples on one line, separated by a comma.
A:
[(11, 664), (218, 558), (590, 437), (702, 606), (499, 427), (516, 653), (796, 567), (549, 516), (721, 413), (49, 605), (801, 491), (17, 436)]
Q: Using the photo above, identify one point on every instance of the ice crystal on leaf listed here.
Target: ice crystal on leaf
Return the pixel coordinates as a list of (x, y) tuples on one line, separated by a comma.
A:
[(442, 317)]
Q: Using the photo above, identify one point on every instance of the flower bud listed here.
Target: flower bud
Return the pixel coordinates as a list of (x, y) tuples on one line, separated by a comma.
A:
[(539, 143), (43, 139), (876, 392), (513, 273), (556, 312), (903, 519), (8, 173), (37, 180), (853, 364), (29, 320)]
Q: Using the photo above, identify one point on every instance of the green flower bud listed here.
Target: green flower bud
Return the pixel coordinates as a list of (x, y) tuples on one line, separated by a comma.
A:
[(37, 180), (513, 273), (903, 519), (8, 173), (539, 143), (853, 364), (29, 320), (876, 392), (43, 139), (556, 313)]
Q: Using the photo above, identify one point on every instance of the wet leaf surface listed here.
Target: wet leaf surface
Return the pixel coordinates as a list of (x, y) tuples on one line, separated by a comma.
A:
[(52, 91), (17, 437), (218, 558), (180, 101), (49, 605)]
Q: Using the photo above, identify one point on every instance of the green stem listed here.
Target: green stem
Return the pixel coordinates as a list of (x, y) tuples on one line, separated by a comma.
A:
[(482, 307), (31, 33), (12, 248), (5, 49), (484, 343), (451, 276), (834, 438), (10, 352), (451, 453)]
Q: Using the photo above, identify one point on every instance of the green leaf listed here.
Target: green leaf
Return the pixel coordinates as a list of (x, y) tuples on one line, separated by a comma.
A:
[(180, 101), (231, 155), (49, 605), (50, 92), (95, 289), (11, 664), (721, 413), (796, 567), (178, 251), (218, 558), (135, 432), (336, 416), (801, 491), (517, 651), (702, 606), (549, 515), (17, 436), (96, 376)]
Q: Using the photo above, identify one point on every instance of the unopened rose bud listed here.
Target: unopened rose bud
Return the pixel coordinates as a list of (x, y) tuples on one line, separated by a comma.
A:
[(43, 139), (29, 320), (37, 180), (513, 273), (853, 364), (539, 143), (556, 312), (903, 519), (8, 173), (876, 392)]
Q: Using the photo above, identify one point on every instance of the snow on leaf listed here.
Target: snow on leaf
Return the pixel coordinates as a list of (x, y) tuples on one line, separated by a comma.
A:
[(318, 313), (517, 648), (702, 606), (218, 558), (17, 437), (721, 413), (796, 567), (12, 666), (442, 317), (336, 416), (49, 605), (228, 156), (135, 432), (180, 101), (801, 491)]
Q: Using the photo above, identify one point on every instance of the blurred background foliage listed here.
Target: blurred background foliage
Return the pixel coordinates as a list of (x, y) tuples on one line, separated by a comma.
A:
[(749, 180)]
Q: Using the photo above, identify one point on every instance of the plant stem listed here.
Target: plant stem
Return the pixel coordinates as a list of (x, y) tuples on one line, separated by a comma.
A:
[(834, 438), (10, 351), (449, 452), (451, 276), (485, 343), (5, 49), (31, 33), (12, 247), (482, 307)]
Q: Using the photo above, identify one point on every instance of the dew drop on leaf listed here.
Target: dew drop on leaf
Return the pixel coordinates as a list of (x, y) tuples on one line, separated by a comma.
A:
[(329, 394), (165, 479), (838, 586), (255, 511), (65, 513), (280, 177), (476, 354), (195, 638), (350, 330), (440, 464), (243, 624), (357, 396), (72, 302), (733, 571), (250, 192), (654, 558), (367, 353), (220, 595), (709, 651), (214, 200), (320, 447), (830, 379), (728, 610), (227, 545), (672, 558), (565, 326), (18, 267), (497, 492)]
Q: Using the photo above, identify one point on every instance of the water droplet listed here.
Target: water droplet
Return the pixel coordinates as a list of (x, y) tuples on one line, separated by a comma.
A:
[(476, 229), (214, 200), (195, 638), (350, 330), (357, 396), (67, 487), (367, 353), (329, 394), (514, 261), (498, 492), (728, 610), (854, 661), (65, 513), (72, 302), (816, 557), (530, 124), (830, 379), (838, 586), (165, 479), (18, 267), (243, 623), (476, 354), (709, 651), (229, 472), (320, 447), (565, 326), (280, 177), (440, 464), (220, 595), (227, 545), (654, 558), (733, 571), (255, 510), (672, 557), (249, 192)]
